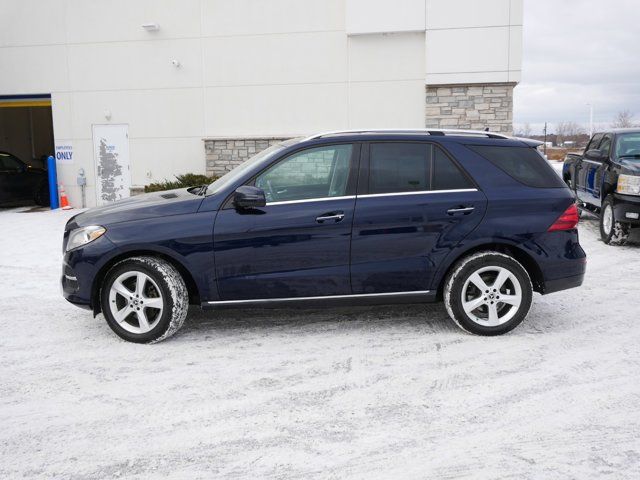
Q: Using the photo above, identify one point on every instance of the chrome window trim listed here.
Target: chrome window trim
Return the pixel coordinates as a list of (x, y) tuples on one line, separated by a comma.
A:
[(372, 195), (305, 200), (418, 192), (323, 297)]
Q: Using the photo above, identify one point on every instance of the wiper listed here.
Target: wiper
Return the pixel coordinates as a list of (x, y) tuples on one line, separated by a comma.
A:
[(635, 155), (198, 189)]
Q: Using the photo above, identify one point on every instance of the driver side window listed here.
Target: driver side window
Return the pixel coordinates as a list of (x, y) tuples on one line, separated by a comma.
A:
[(313, 173), (605, 145)]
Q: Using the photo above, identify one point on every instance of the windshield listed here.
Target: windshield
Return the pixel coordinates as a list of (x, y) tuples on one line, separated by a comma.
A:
[(237, 172), (628, 146)]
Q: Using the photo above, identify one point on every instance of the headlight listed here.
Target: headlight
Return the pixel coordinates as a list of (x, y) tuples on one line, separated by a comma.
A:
[(628, 184), (84, 235)]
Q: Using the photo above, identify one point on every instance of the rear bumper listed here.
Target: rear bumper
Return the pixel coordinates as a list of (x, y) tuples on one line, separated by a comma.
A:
[(563, 263), (565, 283), (627, 208)]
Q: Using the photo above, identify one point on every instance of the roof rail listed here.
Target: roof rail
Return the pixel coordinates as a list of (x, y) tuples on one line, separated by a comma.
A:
[(412, 131)]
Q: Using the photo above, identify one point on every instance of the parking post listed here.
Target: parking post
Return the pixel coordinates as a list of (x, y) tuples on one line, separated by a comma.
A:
[(53, 182)]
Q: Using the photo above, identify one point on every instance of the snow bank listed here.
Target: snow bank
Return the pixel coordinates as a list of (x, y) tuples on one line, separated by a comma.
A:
[(385, 392)]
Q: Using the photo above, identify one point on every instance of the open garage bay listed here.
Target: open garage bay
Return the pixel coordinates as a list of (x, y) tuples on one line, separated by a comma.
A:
[(385, 392)]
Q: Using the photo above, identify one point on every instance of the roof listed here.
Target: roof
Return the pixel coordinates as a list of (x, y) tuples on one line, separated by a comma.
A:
[(432, 132), (620, 130), (410, 131)]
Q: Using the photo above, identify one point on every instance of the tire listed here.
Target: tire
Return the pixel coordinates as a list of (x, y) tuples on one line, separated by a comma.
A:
[(41, 196), (612, 231), (484, 269), (135, 281)]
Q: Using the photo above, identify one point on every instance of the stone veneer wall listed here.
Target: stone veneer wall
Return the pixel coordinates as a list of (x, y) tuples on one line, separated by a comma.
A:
[(470, 106), (223, 154)]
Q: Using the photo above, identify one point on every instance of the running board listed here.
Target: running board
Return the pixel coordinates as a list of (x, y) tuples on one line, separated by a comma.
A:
[(417, 296)]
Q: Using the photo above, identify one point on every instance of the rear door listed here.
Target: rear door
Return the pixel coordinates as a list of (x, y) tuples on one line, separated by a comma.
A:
[(414, 204), (298, 244)]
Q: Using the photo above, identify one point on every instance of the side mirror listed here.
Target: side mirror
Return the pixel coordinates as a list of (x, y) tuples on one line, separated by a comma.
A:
[(247, 196), (594, 154)]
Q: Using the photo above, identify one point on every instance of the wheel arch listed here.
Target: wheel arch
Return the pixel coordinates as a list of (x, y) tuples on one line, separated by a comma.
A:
[(529, 264), (192, 286)]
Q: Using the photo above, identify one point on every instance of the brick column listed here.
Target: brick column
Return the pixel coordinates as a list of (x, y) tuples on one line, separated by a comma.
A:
[(470, 106)]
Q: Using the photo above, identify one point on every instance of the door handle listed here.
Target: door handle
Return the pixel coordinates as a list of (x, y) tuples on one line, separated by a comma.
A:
[(336, 216), (462, 210)]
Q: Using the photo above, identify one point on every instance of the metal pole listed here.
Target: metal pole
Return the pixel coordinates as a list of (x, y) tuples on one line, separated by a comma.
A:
[(545, 139), (53, 182), (590, 119)]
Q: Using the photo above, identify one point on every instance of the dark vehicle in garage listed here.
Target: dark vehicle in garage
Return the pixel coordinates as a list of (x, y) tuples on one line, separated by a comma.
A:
[(20, 182), (606, 180), (476, 219)]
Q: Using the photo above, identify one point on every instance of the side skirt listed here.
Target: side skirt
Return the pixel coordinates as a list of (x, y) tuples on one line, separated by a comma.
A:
[(422, 296)]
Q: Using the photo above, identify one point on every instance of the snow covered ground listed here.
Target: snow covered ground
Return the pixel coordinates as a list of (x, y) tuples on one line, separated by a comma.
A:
[(385, 392)]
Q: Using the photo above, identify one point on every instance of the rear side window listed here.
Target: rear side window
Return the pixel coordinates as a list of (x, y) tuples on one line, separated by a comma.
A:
[(446, 175), (412, 167), (399, 167), (524, 164)]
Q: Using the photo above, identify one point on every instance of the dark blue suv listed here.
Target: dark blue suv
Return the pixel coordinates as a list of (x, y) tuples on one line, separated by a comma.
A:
[(476, 219)]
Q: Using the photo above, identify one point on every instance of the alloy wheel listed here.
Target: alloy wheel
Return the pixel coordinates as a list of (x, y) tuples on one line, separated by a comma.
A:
[(491, 296), (136, 302)]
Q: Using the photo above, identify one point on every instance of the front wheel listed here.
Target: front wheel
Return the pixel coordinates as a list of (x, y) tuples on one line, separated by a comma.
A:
[(488, 293), (144, 299), (612, 231)]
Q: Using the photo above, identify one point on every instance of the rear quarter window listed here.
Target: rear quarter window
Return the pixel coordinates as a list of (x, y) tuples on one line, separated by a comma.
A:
[(524, 164)]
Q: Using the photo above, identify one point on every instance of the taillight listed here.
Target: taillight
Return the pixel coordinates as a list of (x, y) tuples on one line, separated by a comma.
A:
[(568, 220)]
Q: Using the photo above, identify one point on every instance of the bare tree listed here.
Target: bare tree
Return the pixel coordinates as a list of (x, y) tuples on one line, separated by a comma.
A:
[(524, 131), (568, 131), (623, 119)]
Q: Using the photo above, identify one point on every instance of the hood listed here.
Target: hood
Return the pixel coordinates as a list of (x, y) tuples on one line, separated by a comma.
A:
[(148, 205), (630, 166)]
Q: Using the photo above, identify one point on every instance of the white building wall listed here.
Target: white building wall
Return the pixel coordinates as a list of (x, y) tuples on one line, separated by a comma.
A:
[(247, 68)]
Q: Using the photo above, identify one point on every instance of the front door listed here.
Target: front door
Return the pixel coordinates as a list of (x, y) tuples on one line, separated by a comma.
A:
[(414, 205), (298, 244), (594, 172), (585, 170), (111, 153)]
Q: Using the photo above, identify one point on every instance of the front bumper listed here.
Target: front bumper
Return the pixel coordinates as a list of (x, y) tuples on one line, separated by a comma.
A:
[(626, 208), (80, 269)]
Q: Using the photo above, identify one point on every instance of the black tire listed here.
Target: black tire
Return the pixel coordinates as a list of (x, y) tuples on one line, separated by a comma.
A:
[(162, 286), (41, 196), (488, 265), (618, 232)]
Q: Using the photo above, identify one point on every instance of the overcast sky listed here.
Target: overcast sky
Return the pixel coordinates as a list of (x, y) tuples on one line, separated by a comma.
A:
[(577, 52)]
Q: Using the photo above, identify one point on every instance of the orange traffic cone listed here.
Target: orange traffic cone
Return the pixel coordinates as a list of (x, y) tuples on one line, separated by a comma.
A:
[(64, 201)]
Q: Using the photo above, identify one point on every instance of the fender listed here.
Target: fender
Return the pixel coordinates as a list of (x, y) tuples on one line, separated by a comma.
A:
[(494, 243)]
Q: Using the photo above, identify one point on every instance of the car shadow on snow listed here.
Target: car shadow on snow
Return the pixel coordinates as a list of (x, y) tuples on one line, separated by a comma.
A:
[(429, 317)]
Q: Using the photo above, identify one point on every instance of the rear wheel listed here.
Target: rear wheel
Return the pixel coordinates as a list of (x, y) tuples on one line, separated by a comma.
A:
[(144, 299), (612, 231), (488, 293)]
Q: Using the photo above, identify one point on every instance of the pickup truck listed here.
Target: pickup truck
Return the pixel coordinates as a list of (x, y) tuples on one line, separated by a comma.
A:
[(606, 181)]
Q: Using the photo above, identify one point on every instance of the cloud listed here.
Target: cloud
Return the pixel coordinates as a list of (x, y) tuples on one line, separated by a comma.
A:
[(577, 52)]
